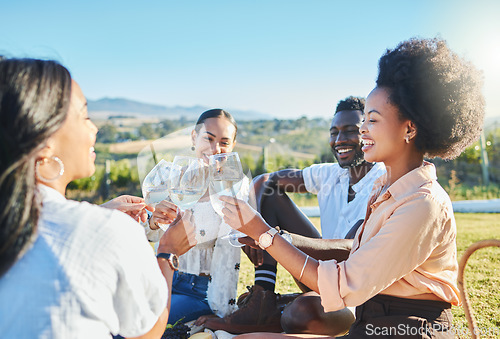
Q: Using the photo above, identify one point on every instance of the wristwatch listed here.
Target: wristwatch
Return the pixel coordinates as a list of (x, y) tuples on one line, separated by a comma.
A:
[(173, 260), (266, 238)]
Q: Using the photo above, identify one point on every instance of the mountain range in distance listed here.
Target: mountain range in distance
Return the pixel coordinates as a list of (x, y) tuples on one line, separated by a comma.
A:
[(105, 108), (119, 107)]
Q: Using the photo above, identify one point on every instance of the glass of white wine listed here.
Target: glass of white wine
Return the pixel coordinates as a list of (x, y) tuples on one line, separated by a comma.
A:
[(226, 177), (155, 186), (187, 181), (154, 196)]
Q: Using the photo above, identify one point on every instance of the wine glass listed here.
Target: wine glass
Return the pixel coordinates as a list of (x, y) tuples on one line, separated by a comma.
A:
[(187, 181), (226, 177), (155, 186), (156, 195)]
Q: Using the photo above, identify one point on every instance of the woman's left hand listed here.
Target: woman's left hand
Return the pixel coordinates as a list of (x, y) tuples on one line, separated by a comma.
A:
[(242, 217), (131, 205)]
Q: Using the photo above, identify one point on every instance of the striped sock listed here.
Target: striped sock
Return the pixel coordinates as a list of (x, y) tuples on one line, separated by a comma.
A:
[(265, 276)]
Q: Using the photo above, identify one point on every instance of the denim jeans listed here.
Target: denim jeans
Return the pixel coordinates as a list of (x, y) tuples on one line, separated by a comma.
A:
[(189, 297)]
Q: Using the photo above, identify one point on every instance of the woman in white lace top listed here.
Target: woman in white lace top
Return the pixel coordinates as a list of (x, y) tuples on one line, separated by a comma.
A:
[(206, 282)]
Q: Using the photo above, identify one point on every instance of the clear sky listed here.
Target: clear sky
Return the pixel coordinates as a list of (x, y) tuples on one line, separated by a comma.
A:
[(286, 58)]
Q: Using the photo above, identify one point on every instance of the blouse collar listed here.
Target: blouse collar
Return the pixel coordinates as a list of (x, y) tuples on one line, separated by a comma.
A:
[(409, 182), (50, 194)]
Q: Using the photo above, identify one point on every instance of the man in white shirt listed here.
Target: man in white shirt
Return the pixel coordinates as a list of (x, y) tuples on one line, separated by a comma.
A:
[(343, 190)]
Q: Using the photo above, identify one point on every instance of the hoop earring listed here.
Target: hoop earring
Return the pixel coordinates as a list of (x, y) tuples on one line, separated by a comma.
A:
[(44, 161), (407, 139)]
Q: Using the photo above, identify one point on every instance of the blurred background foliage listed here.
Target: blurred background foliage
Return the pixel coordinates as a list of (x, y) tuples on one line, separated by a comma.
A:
[(266, 146)]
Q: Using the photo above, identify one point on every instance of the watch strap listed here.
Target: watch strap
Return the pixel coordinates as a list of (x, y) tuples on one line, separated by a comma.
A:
[(164, 255), (171, 258)]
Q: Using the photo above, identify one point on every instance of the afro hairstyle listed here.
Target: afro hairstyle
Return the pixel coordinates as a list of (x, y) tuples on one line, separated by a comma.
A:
[(438, 91)]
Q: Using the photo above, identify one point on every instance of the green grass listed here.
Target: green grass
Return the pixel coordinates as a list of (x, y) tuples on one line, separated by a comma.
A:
[(482, 274)]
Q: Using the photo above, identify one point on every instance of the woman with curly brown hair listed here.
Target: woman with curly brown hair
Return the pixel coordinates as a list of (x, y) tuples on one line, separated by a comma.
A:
[(402, 269)]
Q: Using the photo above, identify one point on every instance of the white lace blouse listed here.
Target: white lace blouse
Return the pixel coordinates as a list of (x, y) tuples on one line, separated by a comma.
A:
[(212, 255)]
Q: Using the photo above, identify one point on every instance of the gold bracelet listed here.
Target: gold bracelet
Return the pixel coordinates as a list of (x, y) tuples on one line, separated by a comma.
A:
[(303, 268)]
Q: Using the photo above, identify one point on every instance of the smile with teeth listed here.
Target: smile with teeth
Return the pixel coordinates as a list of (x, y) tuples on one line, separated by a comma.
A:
[(343, 150), (91, 149), (368, 142)]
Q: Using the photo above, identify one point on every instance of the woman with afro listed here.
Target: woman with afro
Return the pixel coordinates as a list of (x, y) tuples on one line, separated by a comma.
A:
[(402, 269)]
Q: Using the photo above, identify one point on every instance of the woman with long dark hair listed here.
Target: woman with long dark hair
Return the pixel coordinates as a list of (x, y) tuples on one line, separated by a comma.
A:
[(68, 269)]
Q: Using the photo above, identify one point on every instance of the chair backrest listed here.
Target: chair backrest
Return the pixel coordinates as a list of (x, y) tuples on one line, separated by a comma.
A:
[(461, 286)]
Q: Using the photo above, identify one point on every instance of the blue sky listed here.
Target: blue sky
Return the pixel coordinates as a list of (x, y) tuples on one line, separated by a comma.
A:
[(285, 58)]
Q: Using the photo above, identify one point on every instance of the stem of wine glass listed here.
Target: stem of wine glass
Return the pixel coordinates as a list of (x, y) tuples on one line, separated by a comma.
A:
[(232, 191)]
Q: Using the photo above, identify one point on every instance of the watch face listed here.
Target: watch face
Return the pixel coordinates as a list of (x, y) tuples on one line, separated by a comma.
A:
[(175, 261), (266, 240)]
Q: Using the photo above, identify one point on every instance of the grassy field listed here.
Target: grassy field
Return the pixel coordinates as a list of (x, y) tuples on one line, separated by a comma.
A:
[(482, 274)]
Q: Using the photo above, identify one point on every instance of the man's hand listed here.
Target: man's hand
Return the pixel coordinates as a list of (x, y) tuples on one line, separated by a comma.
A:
[(204, 318), (179, 236), (253, 252), (131, 205)]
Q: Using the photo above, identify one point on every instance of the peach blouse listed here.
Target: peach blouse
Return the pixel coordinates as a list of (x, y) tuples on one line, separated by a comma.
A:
[(405, 248)]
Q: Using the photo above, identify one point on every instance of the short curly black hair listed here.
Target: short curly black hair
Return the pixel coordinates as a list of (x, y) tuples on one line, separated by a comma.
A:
[(351, 104), (438, 91)]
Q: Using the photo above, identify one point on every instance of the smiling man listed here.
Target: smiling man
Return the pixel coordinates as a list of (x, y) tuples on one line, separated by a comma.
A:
[(343, 190)]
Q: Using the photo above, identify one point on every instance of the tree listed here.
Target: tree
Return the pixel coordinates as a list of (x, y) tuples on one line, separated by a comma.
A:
[(107, 134), (146, 131)]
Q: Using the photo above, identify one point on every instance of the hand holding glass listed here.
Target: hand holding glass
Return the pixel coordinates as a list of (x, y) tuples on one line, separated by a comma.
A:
[(155, 187), (226, 175), (154, 197)]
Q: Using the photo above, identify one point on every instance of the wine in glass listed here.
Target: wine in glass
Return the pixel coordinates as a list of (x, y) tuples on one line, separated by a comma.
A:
[(155, 196), (187, 181), (226, 178), (155, 186)]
